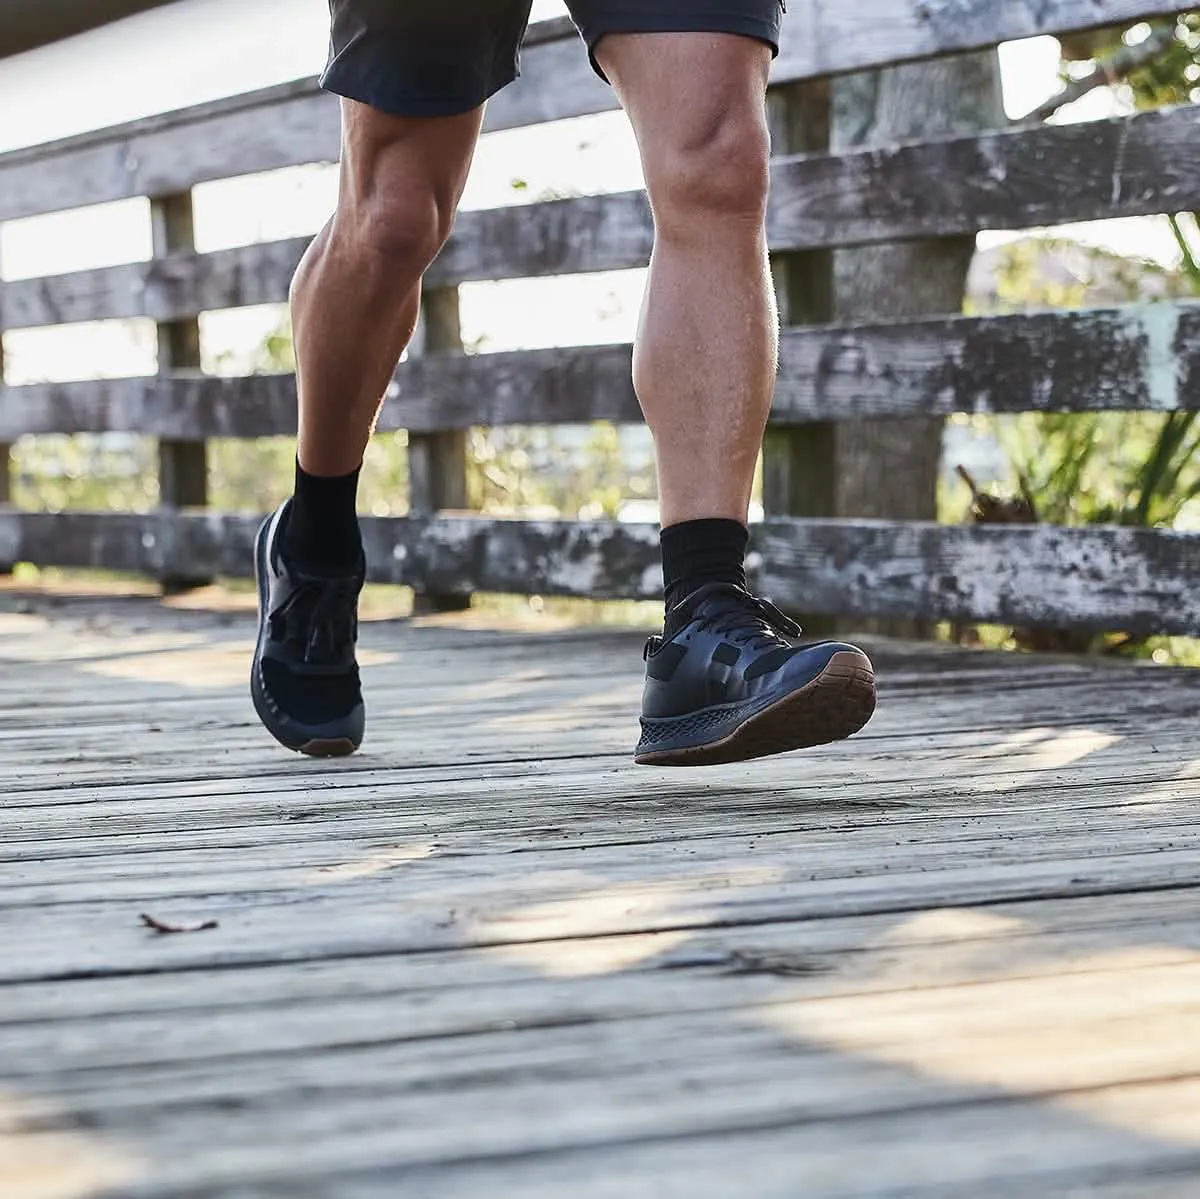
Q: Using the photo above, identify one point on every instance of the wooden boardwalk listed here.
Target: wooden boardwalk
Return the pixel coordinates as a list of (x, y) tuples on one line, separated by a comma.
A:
[(958, 956)]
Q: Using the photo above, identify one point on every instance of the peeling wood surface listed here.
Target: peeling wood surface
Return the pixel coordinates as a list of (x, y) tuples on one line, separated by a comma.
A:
[(1125, 166), (1137, 358), (489, 955), (1016, 179), (297, 123), (1136, 580)]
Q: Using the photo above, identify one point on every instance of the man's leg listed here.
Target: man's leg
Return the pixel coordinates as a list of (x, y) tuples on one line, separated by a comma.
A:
[(704, 361), (725, 683), (355, 299), (413, 78)]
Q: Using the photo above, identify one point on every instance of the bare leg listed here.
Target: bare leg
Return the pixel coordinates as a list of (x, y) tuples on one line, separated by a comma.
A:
[(705, 358), (356, 294)]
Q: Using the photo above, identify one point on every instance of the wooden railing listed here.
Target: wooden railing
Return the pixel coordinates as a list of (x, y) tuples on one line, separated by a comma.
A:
[(1132, 358)]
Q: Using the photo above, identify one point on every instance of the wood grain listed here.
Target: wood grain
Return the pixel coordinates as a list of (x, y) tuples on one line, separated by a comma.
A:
[(560, 972), (1016, 179), (1136, 358), (1136, 580), (296, 123)]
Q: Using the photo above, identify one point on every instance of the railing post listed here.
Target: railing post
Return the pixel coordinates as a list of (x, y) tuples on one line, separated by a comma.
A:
[(888, 469), (437, 462), (5, 459), (182, 465), (799, 461)]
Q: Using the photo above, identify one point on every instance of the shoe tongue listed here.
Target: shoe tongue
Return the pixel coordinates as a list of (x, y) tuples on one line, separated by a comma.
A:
[(715, 596), (703, 601)]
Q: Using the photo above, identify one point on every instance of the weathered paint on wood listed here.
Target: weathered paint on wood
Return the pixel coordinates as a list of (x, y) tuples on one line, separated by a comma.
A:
[(169, 288), (824, 37), (437, 461), (181, 405), (182, 463), (296, 123), (1138, 358), (1125, 166), (1015, 179), (1137, 580)]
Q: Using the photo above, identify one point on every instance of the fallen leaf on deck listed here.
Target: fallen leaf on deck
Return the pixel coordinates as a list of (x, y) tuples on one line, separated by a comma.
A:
[(159, 927)]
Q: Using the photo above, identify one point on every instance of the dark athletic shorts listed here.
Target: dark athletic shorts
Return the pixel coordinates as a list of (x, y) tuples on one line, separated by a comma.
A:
[(438, 57)]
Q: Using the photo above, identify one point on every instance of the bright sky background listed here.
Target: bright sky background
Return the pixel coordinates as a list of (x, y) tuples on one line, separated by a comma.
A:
[(204, 49)]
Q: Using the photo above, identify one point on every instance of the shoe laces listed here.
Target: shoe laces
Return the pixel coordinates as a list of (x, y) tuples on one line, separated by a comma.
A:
[(321, 617), (745, 619)]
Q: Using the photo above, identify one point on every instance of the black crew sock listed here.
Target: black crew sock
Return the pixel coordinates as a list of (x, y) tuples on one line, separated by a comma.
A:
[(322, 534), (696, 552)]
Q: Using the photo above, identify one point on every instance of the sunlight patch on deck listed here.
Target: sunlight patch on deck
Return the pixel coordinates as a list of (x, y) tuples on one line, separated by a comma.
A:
[(53, 1164), (370, 864), (1090, 1033), (204, 669), (1035, 751), (547, 929)]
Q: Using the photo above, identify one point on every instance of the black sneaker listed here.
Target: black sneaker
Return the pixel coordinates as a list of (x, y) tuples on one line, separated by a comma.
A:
[(729, 685), (305, 677)]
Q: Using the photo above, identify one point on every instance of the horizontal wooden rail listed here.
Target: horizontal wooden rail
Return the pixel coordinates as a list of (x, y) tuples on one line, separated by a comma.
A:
[(1015, 179), (1138, 358), (1139, 580), (296, 123), (1100, 577), (171, 288)]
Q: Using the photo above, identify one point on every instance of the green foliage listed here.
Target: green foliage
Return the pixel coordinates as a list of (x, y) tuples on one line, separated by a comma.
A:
[(1107, 468), (1171, 77), (537, 471), (112, 472)]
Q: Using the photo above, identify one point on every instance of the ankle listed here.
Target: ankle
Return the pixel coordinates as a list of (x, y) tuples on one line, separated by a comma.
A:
[(696, 552), (322, 533)]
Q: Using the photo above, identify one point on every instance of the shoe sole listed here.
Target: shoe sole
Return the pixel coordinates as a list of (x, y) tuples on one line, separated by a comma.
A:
[(833, 706), (313, 747)]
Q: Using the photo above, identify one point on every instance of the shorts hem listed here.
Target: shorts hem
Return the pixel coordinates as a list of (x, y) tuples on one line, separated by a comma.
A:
[(397, 104), (757, 28)]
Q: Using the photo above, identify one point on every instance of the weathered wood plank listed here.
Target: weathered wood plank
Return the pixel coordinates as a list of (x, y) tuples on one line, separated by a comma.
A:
[(823, 37), (183, 404), (437, 461), (1066, 926), (1014, 179), (182, 463), (113, 858), (1140, 580), (1137, 579), (170, 288), (1137, 358), (501, 978), (296, 123), (1125, 166), (440, 554)]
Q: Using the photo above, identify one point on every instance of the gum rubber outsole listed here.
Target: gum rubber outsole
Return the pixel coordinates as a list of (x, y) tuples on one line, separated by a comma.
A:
[(337, 747), (834, 706)]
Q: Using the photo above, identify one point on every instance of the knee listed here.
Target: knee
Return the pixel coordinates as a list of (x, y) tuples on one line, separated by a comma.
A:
[(720, 167), (398, 228)]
